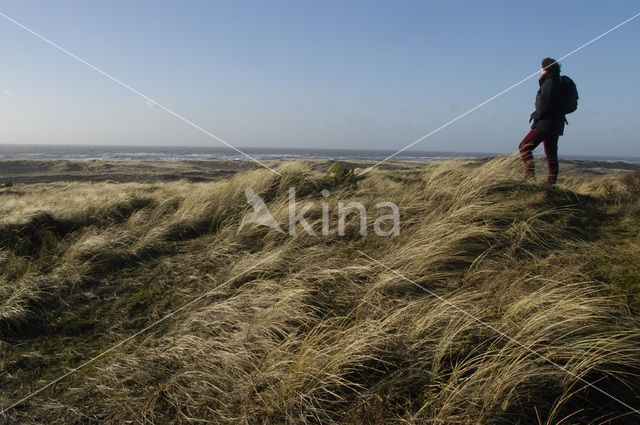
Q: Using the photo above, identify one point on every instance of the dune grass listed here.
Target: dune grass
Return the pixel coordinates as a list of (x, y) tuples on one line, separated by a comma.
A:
[(318, 333)]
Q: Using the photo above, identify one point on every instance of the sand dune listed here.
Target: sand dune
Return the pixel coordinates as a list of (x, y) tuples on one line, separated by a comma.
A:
[(310, 329)]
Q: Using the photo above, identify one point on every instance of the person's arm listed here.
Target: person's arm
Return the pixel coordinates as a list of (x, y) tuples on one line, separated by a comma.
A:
[(543, 100)]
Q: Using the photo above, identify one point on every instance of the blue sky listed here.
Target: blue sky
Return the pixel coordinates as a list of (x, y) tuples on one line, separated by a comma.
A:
[(330, 74)]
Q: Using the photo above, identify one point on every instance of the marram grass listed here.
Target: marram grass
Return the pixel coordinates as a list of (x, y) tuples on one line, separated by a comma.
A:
[(319, 333)]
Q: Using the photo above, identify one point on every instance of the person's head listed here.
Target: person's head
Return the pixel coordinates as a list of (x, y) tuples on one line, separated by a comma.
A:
[(551, 66)]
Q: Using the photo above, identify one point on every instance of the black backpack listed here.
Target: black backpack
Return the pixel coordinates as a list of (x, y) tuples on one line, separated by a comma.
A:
[(569, 95)]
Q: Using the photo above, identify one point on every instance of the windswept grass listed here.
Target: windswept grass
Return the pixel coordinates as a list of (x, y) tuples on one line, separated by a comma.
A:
[(541, 283)]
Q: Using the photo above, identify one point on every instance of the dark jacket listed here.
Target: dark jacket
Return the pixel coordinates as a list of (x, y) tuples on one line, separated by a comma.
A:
[(546, 119)]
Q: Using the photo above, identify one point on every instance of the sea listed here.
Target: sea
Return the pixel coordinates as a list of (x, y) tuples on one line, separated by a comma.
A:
[(203, 153)]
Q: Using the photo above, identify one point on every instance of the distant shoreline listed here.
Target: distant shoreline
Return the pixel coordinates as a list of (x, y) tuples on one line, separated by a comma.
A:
[(206, 153), (33, 171)]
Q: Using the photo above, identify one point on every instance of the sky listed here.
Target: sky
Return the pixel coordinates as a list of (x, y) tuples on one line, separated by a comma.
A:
[(322, 74)]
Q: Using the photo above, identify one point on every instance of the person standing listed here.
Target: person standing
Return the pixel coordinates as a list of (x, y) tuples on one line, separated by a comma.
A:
[(548, 122)]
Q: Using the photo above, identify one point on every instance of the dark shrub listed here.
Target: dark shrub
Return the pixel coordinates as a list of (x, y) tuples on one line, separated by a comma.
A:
[(340, 176), (631, 182)]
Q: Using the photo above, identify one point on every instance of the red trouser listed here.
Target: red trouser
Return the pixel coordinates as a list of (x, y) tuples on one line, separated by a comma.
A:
[(529, 143)]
